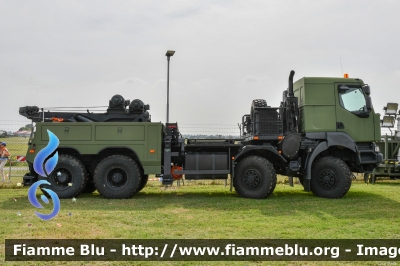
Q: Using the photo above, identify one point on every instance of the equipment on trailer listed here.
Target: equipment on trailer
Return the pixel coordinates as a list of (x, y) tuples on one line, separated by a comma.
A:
[(389, 145), (119, 110)]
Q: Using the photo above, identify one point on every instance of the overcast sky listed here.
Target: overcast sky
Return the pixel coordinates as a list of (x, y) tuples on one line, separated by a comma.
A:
[(81, 53)]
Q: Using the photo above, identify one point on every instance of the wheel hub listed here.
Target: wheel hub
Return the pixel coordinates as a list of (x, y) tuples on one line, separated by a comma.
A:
[(252, 178), (62, 177), (117, 177), (327, 179)]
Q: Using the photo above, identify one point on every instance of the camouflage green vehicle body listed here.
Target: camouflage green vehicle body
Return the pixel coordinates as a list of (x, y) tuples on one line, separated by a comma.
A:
[(141, 140), (321, 110)]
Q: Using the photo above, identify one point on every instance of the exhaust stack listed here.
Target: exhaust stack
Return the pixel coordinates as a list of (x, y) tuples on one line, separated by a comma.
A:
[(290, 90)]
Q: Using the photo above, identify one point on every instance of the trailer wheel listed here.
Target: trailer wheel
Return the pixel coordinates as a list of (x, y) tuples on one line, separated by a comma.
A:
[(68, 179), (255, 178), (143, 183), (330, 178), (117, 177)]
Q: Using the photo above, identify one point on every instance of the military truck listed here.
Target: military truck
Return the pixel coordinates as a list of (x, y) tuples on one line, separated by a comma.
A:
[(323, 130)]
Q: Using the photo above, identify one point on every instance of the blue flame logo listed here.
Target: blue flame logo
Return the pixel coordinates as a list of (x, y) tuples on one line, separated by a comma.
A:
[(32, 198), (40, 159), (44, 168)]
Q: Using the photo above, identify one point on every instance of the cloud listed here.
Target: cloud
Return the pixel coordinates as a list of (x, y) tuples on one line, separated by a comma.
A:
[(253, 78), (128, 83), (227, 52)]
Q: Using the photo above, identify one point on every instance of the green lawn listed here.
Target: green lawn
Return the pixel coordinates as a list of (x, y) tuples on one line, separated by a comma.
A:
[(210, 211)]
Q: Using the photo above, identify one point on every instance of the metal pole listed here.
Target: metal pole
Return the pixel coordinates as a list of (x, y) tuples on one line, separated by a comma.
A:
[(168, 91), (9, 172), (168, 54)]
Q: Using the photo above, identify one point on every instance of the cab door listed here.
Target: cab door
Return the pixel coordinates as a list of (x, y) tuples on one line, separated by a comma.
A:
[(352, 116)]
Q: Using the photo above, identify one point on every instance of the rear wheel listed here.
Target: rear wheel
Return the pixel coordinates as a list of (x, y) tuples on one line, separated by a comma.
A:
[(255, 178), (117, 177), (68, 179), (330, 178)]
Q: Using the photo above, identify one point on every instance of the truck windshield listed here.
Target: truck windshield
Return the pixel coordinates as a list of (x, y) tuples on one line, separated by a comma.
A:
[(352, 99)]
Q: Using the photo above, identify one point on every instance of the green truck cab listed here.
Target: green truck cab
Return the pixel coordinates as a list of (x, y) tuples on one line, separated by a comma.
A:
[(336, 105)]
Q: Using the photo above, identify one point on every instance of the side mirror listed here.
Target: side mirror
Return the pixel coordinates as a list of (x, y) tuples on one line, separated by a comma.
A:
[(368, 103), (367, 90), (246, 121)]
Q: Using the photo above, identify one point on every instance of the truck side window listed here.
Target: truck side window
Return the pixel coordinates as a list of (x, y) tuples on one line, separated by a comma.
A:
[(352, 98)]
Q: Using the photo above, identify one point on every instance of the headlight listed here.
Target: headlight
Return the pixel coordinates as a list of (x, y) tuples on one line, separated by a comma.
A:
[(377, 148)]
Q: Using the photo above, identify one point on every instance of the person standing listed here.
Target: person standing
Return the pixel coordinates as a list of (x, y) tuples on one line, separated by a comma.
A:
[(4, 153)]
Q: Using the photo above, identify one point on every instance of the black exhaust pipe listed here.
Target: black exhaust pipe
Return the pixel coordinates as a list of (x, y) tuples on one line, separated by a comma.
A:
[(290, 90)]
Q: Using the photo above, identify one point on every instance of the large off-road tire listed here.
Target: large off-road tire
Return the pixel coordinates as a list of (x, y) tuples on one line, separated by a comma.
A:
[(117, 177), (253, 126), (255, 177), (143, 182), (330, 177), (68, 179)]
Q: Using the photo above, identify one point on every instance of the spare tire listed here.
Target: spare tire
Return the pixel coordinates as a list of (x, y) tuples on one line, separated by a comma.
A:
[(258, 103)]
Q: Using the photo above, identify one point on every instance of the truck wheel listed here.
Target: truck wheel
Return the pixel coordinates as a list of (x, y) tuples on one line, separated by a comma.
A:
[(68, 179), (117, 177), (143, 183), (255, 178), (330, 178)]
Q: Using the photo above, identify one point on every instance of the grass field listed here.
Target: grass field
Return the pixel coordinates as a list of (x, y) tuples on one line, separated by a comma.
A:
[(210, 212)]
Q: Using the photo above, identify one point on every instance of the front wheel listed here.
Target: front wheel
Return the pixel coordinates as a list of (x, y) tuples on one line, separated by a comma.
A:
[(255, 178), (330, 178), (117, 177)]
